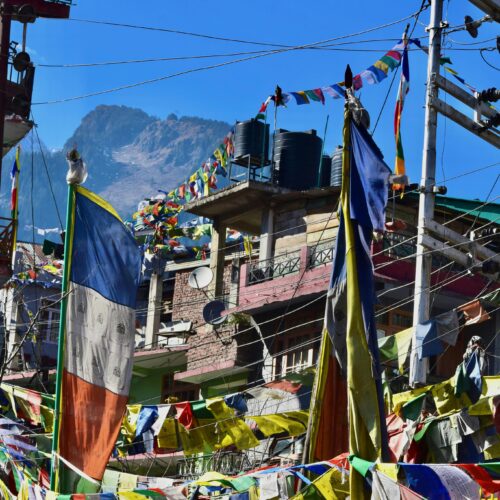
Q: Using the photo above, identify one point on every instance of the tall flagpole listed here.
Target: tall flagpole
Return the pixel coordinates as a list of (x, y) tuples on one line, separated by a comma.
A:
[(73, 181)]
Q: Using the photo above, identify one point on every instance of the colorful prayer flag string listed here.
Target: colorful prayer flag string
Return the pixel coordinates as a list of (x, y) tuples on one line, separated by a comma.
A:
[(373, 74)]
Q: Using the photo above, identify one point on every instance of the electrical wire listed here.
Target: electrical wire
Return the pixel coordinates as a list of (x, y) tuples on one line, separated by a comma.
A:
[(329, 47), (226, 39), (273, 286), (214, 66), (202, 56), (47, 172), (319, 319), (487, 62), (294, 397)]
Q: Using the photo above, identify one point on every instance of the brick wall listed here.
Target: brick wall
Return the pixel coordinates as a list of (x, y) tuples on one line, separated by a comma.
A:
[(205, 346)]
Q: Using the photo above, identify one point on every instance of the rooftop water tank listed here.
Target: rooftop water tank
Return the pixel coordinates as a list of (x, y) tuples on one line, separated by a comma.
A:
[(326, 171), (336, 176), (251, 143), (296, 159)]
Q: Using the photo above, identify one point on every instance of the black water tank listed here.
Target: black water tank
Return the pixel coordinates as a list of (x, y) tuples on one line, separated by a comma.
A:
[(326, 171), (336, 177), (296, 159), (251, 139)]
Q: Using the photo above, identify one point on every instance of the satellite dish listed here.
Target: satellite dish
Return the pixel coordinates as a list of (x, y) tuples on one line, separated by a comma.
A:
[(200, 278), (212, 312)]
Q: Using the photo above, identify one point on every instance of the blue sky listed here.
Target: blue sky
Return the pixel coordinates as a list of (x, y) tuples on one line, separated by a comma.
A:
[(235, 92)]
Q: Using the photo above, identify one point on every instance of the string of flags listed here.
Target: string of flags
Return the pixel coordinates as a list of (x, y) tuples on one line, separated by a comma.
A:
[(375, 73), (203, 180)]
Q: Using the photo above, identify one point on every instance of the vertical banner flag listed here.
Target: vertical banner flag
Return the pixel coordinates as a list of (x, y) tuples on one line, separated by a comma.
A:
[(349, 348), (14, 196), (404, 88), (365, 179), (104, 269)]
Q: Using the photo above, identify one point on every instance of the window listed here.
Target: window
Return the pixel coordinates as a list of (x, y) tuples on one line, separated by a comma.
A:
[(295, 353), (49, 321), (394, 321), (182, 391)]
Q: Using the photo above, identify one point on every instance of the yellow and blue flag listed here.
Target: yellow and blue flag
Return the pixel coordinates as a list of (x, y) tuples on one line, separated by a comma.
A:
[(363, 200), (349, 350)]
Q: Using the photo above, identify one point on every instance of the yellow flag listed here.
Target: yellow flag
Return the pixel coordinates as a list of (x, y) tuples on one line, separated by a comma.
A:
[(233, 426)]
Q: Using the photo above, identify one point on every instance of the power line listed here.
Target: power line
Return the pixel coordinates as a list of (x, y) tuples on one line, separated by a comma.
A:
[(219, 38), (203, 56), (487, 62), (393, 79), (405, 241), (48, 176), (219, 65), (328, 47)]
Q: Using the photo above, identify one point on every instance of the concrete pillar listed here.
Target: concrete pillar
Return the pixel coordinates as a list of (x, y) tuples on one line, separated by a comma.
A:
[(12, 319), (217, 258), (267, 236), (235, 282), (154, 309)]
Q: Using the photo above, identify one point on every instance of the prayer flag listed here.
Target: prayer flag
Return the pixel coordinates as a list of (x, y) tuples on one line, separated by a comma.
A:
[(404, 88), (349, 345), (334, 90), (365, 179), (14, 197), (300, 97), (14, 177), (104, 264), (261, 115)]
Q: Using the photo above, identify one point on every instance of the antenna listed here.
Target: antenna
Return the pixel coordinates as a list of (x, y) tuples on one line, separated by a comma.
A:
[(200, 278), (212, 312)]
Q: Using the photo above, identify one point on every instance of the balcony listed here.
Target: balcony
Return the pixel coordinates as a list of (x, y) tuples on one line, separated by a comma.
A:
[(273, 268), (299, 273), (307, 271)]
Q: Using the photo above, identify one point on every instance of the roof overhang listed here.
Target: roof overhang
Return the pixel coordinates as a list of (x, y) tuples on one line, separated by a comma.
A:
[(216, 370), (152, 359), (241, 206)]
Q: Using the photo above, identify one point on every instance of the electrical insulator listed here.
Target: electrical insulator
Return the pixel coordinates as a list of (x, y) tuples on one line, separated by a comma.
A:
[(491, 95), (489, 231), (493, 122)]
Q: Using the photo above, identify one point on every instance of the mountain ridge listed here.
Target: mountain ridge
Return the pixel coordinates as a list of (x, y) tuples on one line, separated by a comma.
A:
[(129, 155)]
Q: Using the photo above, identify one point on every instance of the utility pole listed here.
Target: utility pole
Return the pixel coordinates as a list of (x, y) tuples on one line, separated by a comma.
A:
[(5, 23), (421, 310)]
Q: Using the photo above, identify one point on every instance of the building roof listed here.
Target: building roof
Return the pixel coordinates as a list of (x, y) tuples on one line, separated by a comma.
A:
[(490, 211)]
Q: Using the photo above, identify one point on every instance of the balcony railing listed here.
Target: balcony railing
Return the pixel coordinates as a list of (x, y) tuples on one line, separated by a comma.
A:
[(276, 267), (224, 462), (320, 254), (402, 246)]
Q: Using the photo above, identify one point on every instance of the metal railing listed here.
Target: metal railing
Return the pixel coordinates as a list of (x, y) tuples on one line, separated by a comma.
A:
[(225, 462), (396, 247), (320, 254), (275, 267)]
